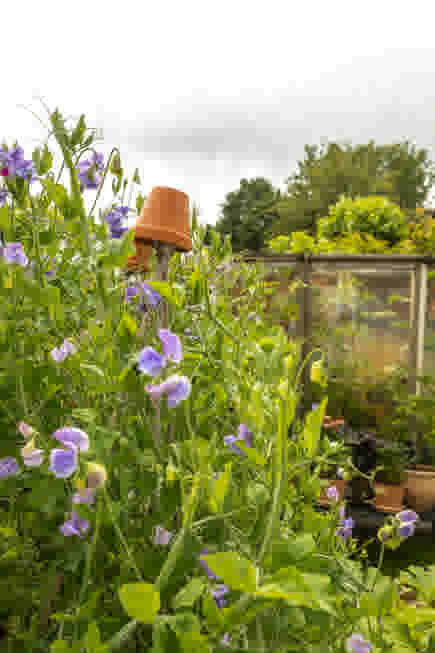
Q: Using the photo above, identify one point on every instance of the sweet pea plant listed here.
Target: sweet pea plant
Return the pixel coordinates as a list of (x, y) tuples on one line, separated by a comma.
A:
[(157, 485)]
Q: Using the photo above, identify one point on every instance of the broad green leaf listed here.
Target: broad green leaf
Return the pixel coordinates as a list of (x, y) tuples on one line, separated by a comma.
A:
[(236, 572), (141, 601), (187, 596), (60, 646), (220, 489), (312, 429)]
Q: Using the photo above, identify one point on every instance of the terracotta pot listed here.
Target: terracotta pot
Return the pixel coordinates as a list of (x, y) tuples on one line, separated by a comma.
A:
[(165, 219), (340, 484), (420, 488), (389, 498)]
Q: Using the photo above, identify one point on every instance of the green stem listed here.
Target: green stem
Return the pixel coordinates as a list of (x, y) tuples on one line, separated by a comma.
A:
[(121, 536), (100, 188), (117, 642)]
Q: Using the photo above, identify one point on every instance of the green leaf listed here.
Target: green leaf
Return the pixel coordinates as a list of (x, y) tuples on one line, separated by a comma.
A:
[(170, 292), (235, 571), (312, 429), (60, 646), (187, 596), (220, 489), (141, 601)]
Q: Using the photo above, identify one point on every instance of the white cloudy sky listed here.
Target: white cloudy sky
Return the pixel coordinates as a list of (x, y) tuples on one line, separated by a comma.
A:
[(200, 94)]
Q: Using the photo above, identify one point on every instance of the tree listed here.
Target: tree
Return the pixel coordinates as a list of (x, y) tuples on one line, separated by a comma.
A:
[(248, 214), (399, 172)]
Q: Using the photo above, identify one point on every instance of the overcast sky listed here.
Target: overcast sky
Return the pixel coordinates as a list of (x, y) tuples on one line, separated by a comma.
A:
[(200, 94)]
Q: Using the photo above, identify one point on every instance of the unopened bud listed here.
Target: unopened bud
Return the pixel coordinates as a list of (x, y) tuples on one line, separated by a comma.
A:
[(26, 430), (97, 476)]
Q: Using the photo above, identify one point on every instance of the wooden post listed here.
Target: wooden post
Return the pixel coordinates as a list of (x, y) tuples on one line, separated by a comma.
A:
[(304, 328), (164, 253), (416, 344)]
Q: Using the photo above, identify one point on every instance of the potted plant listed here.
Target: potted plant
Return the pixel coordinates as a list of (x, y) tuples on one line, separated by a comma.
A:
[(419, 410), (391, 462)]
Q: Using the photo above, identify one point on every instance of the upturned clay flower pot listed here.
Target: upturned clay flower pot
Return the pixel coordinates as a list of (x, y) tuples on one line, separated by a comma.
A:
[(164, 219), (389, 498)]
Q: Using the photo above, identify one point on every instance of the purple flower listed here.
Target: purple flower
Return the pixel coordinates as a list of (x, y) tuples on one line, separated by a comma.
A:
[(130, 291), (114, 218), (406, 530), (72, 437), (150, 361), (8, 467), (345, 528), (3, 195), (357, 644), (13, 164), (243, 434), (407, 520), (14, 253), (219, 594), (225, 641), (162, 537), (205, 566), (86, 495), (59, 354), (63, 462), (176, 388), (171, 345), (89, 171), (33, 458), (74, 526), (332, 493), (152, 297), (407, 516)]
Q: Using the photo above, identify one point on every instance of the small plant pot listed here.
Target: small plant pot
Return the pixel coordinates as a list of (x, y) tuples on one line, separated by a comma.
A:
[(420, 488), (389, 498), (340, 484)]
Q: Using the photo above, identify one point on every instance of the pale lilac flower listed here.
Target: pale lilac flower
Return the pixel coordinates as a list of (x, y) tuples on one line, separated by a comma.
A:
[(8, 467), (243, 434), (130, 291), (114, 218), (25, 430), (171, 345), (13, 164), (150, 361), (162, 537), (86, 495), (219, 594), (225, 641), (340, 472), (72, 437), (89, 171), (406, 530), (63, 462), (345, 528), (176, 388), (59, 354), (407, 520), (357, 644), (332, 493), (33, 458), (152, 297), (74, 526), (3, 195), (204, 565), (14, 253)]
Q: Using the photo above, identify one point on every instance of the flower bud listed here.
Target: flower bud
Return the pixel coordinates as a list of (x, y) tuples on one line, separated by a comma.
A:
[(317, 374), (97, 476), (26, 430)]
